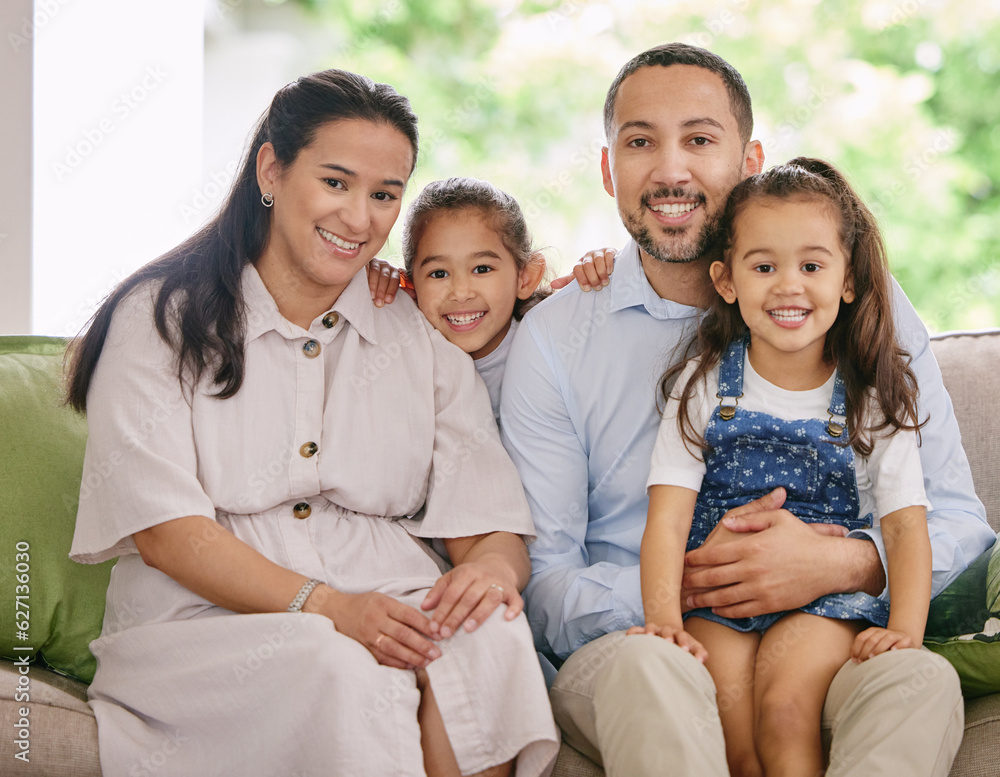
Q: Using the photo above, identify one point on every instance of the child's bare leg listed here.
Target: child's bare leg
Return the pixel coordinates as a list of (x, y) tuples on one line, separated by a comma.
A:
[(796, 662), (731, 657)]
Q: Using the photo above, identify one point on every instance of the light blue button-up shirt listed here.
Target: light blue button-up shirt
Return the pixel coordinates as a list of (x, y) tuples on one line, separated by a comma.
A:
[(580, 420)]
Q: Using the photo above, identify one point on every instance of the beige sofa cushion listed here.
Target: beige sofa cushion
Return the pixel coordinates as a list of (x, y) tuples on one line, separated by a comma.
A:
[(62, 729)]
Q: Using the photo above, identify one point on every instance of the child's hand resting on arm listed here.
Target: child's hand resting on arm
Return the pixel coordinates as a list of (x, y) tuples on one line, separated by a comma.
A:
[(593, 271)]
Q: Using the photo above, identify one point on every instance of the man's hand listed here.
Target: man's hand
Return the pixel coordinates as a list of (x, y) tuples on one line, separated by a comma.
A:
[(690, 592), (763, 559)]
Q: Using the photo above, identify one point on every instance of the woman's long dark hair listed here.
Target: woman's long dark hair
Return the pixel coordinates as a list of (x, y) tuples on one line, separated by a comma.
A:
[(862, 341), (199, 304)]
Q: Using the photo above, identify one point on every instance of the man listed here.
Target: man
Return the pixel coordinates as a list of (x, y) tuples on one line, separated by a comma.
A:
[(579, 420)]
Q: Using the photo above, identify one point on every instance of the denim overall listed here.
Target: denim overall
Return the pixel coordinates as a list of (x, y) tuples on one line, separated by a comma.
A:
[(753, 453)]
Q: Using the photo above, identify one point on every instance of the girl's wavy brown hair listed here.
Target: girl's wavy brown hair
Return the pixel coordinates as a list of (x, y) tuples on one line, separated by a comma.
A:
[(862, 341)]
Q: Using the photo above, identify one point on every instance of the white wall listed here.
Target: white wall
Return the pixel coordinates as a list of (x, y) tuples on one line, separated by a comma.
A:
[(16, 45), (245, 64), (117, 146)]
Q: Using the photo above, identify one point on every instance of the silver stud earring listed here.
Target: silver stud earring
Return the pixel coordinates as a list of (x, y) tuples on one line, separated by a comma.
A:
[(267, 199)]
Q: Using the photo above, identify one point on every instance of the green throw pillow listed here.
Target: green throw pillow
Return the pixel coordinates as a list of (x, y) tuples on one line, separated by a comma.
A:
[(41, 461), (964, 625)]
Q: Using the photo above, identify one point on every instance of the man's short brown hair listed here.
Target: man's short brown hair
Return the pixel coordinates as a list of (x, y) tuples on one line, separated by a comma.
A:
[(668, 54)]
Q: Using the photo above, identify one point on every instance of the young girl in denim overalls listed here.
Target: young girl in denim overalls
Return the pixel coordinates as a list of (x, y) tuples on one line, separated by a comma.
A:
[(797, 382)]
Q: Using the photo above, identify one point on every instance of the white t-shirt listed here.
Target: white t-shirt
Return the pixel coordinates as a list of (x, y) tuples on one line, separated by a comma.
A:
[(888, 480), (491, 366)]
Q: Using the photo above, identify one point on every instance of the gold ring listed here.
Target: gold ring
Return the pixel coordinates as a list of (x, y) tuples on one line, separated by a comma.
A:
[(378, 641)]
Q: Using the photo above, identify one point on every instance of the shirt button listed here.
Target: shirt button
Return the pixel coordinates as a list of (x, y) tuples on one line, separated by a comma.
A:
[(330, 320), (308, 450), (302, 510), (311, 349)]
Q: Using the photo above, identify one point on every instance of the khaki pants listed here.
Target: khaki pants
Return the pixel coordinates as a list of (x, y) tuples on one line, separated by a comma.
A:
[(642, 706)]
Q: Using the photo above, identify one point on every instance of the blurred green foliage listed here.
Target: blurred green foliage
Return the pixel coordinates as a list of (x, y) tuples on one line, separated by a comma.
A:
[(901, 94)]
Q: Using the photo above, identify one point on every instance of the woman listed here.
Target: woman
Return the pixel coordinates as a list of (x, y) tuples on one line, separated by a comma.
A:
[(270, 449)]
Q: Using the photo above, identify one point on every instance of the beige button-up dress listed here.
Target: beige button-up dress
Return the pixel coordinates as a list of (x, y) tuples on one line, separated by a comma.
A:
[(378, 431)]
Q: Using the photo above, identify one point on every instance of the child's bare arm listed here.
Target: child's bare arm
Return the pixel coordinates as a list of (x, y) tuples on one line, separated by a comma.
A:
[(908, 553), (661, 556), (661, 565)]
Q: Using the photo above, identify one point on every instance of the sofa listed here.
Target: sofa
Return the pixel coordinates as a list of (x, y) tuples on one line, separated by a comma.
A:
[(43, 709)]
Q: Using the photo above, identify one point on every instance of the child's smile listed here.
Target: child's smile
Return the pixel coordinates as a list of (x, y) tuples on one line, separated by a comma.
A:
[(789, 317), (464, 322)]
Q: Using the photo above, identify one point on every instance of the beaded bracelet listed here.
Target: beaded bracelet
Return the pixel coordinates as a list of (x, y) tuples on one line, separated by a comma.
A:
[(302, 595)]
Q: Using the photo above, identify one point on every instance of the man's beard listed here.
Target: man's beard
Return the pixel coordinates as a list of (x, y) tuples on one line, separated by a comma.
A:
[(663, 251)]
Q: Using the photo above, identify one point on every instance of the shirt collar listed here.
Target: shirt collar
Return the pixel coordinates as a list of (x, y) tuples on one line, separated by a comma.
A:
[(630, 288), (260, 308), (355, 304), (262, 315)]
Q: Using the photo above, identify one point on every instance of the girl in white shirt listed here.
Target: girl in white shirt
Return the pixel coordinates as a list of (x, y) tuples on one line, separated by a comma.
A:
[(797, 370)]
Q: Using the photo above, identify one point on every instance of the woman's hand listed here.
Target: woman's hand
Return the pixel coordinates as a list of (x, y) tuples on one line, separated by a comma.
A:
[(383, 282), (593, 271), (395, 633), (678, 636), (466, 596), (875, 640)]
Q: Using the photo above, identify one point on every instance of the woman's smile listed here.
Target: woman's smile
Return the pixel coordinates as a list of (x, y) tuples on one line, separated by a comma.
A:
[(341, 243)]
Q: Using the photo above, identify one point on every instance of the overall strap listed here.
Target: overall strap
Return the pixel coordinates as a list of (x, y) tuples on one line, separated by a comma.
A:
[(731, 369), (731, 377), (838, 407)]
